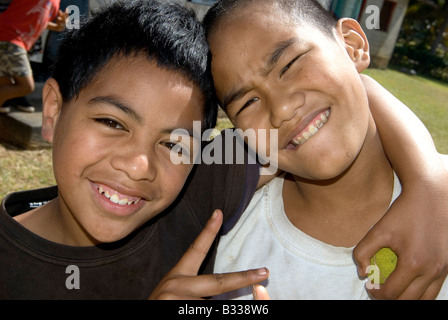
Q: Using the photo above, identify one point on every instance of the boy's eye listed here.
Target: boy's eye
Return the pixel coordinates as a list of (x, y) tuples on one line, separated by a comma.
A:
[(110, 123), (170, 145), (286, 68), (177, 148), (247, 104)]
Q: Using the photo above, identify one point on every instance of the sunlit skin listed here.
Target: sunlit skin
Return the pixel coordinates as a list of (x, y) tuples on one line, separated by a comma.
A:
[(269, 75), (115, 138)]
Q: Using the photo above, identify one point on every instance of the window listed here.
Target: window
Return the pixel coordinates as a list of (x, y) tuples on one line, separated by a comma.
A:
[(387, 12)]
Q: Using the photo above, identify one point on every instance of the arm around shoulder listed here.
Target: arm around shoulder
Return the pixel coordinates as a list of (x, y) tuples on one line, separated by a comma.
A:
[(415, 224)]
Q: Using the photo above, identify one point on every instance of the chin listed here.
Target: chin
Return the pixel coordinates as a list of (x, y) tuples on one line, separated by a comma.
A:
[(110, 234), (323, 170)]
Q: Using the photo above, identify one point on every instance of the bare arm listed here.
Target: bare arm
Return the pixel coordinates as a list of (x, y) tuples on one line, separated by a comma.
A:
[(408, 144), (416, 225)]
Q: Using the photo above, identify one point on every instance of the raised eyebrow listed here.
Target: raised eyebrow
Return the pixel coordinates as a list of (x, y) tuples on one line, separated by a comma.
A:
[(271, 61), (277, 53), (114, 102)]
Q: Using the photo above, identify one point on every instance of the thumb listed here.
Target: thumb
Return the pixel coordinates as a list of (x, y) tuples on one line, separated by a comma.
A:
[(376, 239)]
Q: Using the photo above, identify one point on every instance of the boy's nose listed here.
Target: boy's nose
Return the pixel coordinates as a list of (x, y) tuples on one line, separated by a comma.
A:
[(136, 165), (283, 107)]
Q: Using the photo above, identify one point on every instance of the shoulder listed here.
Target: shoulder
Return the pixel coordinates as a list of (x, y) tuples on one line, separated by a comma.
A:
[(16, 203), (225, 176), (444, 158)]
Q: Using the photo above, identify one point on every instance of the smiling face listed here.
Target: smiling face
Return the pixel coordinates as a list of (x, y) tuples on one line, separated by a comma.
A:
[(111, 147), (272, 74)]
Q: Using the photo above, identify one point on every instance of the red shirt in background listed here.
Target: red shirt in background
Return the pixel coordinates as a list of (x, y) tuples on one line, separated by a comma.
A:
[(24, 20)]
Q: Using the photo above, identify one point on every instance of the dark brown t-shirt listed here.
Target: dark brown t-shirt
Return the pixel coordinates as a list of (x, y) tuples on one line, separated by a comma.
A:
[(34, 268)]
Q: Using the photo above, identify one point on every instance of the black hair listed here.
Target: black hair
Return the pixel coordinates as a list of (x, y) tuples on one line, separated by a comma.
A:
[(165, 32), (310, 11)]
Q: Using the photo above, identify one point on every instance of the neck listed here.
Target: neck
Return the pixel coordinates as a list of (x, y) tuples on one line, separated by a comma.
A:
[(340, 211), (48, 223)]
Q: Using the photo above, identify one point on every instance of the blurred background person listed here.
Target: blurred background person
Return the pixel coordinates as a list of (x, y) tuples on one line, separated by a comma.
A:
[(21, 24)]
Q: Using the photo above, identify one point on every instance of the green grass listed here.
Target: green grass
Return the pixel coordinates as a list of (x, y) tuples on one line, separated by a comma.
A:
[(26, 169), (427, 98)]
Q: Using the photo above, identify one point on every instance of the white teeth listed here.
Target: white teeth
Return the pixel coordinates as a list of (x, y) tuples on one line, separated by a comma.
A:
[(115, 199), (123, 201), (299, 140), (306, 135), (312, 129)]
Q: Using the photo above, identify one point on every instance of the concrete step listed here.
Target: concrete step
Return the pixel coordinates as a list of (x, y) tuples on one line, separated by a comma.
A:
[(23, 129)]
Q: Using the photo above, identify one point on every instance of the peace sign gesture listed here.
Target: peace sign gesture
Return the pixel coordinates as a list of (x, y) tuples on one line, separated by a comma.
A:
[(183, 282)]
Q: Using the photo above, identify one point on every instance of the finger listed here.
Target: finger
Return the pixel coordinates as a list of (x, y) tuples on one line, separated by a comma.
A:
[(412, 280), (192, 260), (215, 284), (260, 293), (397, 282), (372, 242), (423, 288), (415, 290), (433, 290)]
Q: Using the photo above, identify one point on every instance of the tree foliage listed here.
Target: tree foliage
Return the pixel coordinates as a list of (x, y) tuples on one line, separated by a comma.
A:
[(423, 40)]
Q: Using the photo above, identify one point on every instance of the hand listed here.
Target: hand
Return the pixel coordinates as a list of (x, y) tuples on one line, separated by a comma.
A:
[(60, 20), (416, 229), (59, 23), (183, 282)]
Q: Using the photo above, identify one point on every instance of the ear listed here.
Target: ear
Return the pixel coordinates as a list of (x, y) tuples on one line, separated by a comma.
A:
[(51, 108), (355, 41)]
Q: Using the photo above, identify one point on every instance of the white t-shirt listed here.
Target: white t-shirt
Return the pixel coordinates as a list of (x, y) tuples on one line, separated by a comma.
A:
[(300, 266)]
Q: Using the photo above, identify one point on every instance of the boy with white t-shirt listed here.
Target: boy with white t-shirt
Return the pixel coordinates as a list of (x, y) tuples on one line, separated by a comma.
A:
[(301, 76)]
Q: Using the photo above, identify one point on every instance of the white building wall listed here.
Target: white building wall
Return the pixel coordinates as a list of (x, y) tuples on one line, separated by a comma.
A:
[(382, 43)]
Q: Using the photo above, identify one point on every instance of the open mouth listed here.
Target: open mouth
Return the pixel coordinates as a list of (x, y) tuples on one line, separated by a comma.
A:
[(116, 197), (311, 128)]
